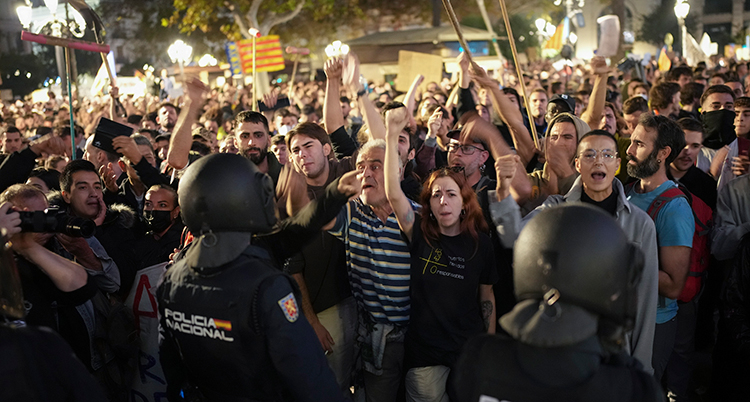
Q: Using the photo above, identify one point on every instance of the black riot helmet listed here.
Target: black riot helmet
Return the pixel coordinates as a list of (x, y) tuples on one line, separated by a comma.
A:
[(226, 193), (578, 255)]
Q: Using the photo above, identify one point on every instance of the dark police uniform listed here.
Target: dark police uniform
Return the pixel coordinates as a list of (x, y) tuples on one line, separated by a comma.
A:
[(502, 368), (235, 333)]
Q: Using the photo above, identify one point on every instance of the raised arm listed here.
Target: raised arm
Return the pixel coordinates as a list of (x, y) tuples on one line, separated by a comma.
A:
[(396, 120), (181, 140), (507, 111), (369, 112), (409, 98), (332, 116), (593, 114)]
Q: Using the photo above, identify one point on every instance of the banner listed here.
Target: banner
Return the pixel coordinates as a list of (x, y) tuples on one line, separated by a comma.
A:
[(557, 40), (149, 384), (609, 39), (268, 54), (100, 81), (233, 55), (664, 62)]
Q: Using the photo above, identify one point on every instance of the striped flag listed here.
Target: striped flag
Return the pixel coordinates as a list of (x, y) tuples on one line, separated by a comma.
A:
[(268, 54), (664, 62), (557, 40)]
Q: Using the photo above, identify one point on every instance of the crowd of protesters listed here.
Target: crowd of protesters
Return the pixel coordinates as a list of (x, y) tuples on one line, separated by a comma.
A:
[(421, 260)]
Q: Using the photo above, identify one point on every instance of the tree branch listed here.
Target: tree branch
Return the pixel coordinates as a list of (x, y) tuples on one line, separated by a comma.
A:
[(252, 15), (238, 19), (274, 19)]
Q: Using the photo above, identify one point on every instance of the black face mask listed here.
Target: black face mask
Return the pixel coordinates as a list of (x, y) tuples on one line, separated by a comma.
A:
[(158, 221), (718, 127)]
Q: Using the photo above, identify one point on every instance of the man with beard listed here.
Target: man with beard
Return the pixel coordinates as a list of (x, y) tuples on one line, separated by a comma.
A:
[(251, 131), (665, 99), (167, 118), (655, 143)]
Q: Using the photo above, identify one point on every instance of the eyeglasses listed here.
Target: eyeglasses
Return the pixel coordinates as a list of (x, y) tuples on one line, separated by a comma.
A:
[(590, 155), (466, 149)]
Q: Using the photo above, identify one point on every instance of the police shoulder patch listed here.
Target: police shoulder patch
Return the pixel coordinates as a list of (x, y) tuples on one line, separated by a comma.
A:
[(289, 307)]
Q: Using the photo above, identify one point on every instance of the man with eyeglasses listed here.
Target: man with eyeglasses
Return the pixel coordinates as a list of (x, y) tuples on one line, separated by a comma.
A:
[(596, 161)]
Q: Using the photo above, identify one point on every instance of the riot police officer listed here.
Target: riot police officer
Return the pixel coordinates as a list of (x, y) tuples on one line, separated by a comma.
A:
[(230, 321), (575, 276)]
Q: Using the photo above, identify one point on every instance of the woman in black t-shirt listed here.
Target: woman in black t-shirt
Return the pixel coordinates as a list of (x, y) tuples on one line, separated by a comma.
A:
[(452, 270)]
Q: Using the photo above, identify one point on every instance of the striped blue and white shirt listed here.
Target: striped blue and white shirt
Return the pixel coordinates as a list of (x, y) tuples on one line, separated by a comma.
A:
[(378, 262)]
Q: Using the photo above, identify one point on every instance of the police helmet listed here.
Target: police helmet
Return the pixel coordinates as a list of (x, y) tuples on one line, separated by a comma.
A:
[(226, 193), (577, 254)]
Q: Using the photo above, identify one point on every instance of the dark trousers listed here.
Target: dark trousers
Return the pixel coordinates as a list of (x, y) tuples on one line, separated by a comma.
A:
[(385, 387), (664, 337), (680, 367)]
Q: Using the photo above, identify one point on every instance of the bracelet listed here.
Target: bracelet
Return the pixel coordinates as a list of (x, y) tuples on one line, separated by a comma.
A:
[(361, 93)]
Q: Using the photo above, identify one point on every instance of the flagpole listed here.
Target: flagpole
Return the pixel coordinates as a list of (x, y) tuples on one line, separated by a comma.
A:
[(254, 33), (509, 30)]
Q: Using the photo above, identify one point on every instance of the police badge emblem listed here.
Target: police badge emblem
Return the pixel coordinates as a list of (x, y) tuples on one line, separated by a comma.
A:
[(289, 306)]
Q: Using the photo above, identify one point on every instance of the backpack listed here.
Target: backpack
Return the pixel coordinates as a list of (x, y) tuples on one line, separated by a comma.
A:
[(700, 253)]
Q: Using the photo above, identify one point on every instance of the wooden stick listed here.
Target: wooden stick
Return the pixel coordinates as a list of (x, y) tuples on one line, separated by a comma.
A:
[(457, 28), (512, 41)]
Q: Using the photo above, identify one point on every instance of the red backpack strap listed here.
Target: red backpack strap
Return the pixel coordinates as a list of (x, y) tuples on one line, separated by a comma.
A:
[(662, 199)]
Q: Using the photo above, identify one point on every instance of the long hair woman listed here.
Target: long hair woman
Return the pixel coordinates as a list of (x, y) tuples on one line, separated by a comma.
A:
[(452, 270)]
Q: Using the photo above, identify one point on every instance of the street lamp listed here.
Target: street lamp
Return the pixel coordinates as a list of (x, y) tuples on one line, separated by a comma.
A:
[(337, 49), (681, 10), (180, 52)]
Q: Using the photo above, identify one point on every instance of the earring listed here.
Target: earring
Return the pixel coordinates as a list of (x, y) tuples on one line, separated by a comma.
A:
[(658, 161), (463, 212), (432, 216)]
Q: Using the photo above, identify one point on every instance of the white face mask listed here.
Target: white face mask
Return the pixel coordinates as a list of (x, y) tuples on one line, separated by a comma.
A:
[(284, 130)]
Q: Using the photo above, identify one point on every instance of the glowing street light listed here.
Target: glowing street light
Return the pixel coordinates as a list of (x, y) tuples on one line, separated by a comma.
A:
[(337, 49), (681, 10), (180, 52), (207, 60)]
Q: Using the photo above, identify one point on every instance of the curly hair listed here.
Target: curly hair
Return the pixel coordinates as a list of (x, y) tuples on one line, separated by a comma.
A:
[(472, 219)]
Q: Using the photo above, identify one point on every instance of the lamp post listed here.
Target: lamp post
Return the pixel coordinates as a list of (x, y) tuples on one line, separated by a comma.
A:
[(337, 49), (681, 10), (255, 34), (36, 19), (180, 52)]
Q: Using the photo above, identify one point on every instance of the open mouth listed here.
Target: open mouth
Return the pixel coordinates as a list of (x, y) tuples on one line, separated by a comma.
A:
[(598, 175)]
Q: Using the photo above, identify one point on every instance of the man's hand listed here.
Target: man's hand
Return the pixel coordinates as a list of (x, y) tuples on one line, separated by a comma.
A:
[(195, 90), (333, 69), (51, 145), (10, 221), (599, 66), (325, 338), (349, 184), (463, 62), (435, 122), (99, 219), (23, 243), (558, 161), (350, 72), (417, 80), (127, 147), (114, 92), (505, 167), (74, 245), (270, 99), (107, 173), (395, 121), (740, 165)]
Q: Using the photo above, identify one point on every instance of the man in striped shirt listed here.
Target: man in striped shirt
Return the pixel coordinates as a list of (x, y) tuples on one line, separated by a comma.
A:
[(378, 263)]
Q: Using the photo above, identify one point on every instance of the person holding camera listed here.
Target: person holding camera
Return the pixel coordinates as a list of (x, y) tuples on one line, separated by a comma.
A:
[(52, 285)]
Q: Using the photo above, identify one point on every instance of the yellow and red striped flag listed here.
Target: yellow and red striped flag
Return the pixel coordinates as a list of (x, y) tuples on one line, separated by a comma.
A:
[(556, 41), (268, 55), (664, 62)]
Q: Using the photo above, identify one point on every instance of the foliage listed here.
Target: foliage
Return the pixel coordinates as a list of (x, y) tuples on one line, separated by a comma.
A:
[(40, 66), (660, 22)]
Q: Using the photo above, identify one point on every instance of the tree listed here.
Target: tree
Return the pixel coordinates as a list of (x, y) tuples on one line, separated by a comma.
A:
[(660, 22)]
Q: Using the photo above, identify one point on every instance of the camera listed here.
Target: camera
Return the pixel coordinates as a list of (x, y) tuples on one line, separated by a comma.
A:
[(53, 220)]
